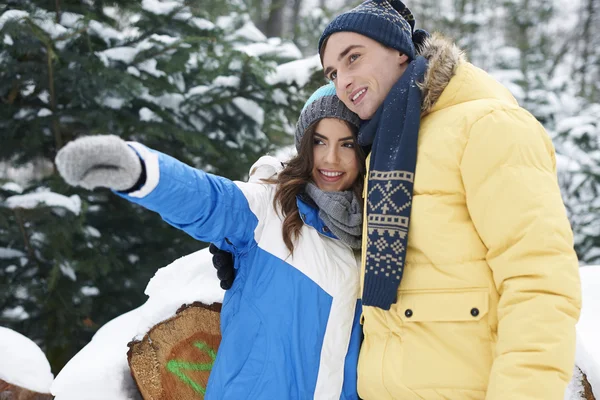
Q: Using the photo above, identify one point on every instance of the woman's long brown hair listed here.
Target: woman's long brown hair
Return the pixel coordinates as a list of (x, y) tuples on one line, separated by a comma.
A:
[(292, 180)]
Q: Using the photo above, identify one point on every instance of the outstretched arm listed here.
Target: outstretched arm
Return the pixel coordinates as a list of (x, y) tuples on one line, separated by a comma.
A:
[(206, 206)]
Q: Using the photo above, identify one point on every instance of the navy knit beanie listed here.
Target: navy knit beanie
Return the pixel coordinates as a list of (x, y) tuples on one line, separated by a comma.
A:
[(388, 22), (323, 103)]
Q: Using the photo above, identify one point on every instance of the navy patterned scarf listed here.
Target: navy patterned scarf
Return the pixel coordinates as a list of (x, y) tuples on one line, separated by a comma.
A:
[(393, 134)]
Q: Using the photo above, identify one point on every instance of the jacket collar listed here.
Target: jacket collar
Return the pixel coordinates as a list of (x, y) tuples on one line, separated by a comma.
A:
[(309, 213)]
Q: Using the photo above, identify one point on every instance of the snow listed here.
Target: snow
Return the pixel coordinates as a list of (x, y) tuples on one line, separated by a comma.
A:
[(12, 187), (50, 199), (69, 19), (112, 102), (160, 7), (286, 50), (23, 362), (105, 32), (298, 71), (17, 313), (68, 271), (100, 371), (90, 291), (148, 115), (202, 23), (133, 71), (124, 54), (11, 15), (44, 112), (575, 389), (286, 153), (250, 32), (167, 100), (588, 329), (251, 109), (91, 231), (53, 29), (568, 124), (227, 81), (6, 253), (44, 96), (198, 90), (164, 39), (149, 66), (23, 113)]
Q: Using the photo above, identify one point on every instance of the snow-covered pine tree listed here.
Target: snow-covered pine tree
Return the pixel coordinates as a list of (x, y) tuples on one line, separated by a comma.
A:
[(197, 85), (577, 141)]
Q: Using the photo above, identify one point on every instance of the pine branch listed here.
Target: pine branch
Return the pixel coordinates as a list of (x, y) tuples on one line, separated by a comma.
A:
[(30, 251), (58, 142)]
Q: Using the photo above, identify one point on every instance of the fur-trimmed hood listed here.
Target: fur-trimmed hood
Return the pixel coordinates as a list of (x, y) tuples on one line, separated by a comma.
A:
[(444, 58), (450, 79)]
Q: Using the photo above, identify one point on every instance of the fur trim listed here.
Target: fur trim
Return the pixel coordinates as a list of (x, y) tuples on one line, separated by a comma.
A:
[(443, 57)]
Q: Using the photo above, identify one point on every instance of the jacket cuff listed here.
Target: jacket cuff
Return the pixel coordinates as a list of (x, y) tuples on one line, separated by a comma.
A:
[(150, 175)]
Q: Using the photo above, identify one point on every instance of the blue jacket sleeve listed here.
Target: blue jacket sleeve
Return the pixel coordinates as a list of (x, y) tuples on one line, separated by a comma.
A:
[(207, 207)]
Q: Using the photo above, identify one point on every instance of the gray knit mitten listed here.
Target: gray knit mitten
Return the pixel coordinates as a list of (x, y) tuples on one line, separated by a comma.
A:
[(99, 161)]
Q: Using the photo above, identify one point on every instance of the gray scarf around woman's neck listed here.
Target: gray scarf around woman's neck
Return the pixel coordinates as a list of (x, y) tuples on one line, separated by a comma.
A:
[(341, 212)]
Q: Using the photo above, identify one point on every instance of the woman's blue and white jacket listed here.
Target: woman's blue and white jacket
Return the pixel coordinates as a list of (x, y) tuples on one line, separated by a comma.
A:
[(290, 323)]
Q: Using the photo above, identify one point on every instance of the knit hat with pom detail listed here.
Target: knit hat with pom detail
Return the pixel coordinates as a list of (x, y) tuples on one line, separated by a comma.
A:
[(388, 22), (323, 103)]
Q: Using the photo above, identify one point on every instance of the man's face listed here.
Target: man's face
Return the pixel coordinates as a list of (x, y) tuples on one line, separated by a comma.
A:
[(362, 69)]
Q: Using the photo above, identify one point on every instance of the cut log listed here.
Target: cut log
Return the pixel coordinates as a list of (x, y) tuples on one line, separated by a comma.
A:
[(174, 359), (587, 388), (12, 392)]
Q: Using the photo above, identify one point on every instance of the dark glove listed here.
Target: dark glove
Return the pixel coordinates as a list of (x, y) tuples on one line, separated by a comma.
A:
[(223, 262)]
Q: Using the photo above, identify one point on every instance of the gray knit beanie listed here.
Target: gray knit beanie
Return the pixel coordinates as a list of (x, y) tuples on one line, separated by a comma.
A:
[(323, 104)]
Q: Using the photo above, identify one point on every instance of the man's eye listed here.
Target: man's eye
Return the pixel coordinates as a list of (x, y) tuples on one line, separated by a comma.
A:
[(354, 57)]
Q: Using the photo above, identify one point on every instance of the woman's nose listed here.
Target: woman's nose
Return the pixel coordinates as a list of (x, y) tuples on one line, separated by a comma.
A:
[(332, 155)]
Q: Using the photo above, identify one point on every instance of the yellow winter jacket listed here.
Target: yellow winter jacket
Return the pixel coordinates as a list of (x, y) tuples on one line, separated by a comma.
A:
[(490, 294)]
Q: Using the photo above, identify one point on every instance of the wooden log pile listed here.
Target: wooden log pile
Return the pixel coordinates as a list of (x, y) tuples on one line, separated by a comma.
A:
[(12, 392), (174, 359)]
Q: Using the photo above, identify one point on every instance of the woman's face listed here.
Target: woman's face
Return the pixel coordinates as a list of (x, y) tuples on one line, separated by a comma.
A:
[(335, 162)]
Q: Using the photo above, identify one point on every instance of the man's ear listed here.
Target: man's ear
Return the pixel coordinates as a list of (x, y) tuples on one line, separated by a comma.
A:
[(402, 58)]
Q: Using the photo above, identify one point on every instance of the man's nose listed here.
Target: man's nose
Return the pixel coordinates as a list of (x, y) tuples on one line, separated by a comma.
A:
[(343, 84)]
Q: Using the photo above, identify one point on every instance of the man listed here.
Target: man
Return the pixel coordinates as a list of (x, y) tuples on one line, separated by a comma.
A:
[(479, 298)]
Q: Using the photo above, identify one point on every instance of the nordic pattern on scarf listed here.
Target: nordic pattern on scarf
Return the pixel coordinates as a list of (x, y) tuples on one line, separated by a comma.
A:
[(389, 191), (393, 134)]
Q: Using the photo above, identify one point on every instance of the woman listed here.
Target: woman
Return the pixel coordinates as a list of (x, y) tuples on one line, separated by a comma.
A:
[(290, 322)]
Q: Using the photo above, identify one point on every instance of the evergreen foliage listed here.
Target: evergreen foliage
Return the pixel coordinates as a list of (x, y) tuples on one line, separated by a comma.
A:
[(195, 85)]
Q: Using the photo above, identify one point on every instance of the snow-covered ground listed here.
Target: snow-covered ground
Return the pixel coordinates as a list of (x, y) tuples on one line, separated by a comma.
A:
[(588, 329), (100, 371)]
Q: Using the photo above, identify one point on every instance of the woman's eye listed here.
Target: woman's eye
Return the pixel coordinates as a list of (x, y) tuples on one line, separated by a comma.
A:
[(332, 76), (317, 141), (349, 145), (354, 57)]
